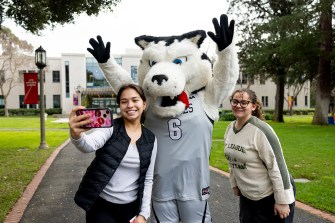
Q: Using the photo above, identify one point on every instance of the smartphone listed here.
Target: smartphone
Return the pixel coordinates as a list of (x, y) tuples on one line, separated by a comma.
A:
[(102, 117)]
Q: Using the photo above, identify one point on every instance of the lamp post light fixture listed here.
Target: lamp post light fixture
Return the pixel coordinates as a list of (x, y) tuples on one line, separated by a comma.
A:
[(40, 61), (79, 88)]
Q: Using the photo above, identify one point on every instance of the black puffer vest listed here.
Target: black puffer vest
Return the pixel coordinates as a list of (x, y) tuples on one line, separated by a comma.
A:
[(108, 159)]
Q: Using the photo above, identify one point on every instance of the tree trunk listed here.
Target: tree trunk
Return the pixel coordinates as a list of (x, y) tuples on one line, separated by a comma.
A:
[(5, 105), (279, 104), (324, 78)]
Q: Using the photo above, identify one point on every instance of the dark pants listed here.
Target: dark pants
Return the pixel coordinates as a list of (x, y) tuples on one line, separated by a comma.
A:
[(103, 211), (262, 211)]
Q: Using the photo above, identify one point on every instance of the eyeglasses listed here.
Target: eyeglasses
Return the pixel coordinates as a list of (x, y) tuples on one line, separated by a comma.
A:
[(243, 103)]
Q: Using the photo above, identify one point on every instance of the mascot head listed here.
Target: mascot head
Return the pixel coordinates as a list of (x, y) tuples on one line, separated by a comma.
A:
[(170, 69)]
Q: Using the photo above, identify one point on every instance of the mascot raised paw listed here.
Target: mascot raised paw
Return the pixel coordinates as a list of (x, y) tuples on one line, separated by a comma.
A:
[(184, 90)]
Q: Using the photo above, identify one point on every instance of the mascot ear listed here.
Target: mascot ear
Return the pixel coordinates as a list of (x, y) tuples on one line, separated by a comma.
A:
[(197, 37), (143, 41)]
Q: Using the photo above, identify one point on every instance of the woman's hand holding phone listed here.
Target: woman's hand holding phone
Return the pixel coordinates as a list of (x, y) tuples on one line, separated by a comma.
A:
[(102, 117), (83, 119), (76, 122)]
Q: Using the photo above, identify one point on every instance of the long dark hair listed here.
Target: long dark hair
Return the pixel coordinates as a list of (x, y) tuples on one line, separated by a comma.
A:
[(258, 112), (138, 89)]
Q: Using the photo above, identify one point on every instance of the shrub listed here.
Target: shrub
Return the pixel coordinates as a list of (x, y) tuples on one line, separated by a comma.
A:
[(268, 116), (226, 116), (30, 112)]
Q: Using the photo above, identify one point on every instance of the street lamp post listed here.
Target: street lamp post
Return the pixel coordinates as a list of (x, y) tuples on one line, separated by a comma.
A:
[(40, 61)]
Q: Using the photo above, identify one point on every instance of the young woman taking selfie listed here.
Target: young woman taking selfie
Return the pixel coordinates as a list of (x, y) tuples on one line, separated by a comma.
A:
[(117, 185)]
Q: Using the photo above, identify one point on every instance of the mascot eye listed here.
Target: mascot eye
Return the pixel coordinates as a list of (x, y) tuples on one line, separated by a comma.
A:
[(180, 60), (151, 63)]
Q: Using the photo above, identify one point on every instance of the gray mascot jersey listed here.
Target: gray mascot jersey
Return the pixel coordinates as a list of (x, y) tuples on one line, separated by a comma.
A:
[(184, 144)]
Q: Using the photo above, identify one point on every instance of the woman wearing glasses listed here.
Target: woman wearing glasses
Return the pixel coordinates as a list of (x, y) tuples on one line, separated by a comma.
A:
[(258, 172)]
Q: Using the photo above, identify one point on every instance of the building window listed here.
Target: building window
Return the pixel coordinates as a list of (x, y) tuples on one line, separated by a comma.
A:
[(55, 76), (104, 103), (94, 75), (118, 61), (251, 79), (2, 102), (262, 79), (67, 79), (306, 100), (265, 101), (2, 76), (21, 99), (56, 101), (244, 79), (295, 101), (133, 73)]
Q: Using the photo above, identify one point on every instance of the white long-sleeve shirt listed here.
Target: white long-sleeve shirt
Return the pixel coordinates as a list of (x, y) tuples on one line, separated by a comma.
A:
[(123, 186), (256, 162)]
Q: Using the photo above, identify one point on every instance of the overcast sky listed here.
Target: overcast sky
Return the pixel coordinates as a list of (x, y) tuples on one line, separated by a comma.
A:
[(129, 20)]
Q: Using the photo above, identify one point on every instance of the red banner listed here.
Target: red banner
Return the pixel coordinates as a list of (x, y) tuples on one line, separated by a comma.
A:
[(30, 88), (75, 99)]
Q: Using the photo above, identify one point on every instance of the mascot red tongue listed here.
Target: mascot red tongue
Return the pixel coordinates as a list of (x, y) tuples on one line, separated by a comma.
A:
[(181, 178), (184, 98)]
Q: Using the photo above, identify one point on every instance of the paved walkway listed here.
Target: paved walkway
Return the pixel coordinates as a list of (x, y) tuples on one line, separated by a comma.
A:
[(49, 197)]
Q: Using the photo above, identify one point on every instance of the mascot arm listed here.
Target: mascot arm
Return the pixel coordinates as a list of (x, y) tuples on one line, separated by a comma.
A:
[(114, 73), (226, 68), (116, 76), (225, 75), (226, 72)]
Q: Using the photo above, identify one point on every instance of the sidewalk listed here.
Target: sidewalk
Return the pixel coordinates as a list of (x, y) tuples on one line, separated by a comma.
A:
[(49, 197)]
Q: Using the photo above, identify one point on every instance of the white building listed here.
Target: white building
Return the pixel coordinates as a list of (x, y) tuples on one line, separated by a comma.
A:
[(76, 75), (266, 92)]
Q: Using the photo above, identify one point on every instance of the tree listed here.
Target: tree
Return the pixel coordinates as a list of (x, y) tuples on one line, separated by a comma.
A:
[(279, 41), (324, 78), (13, 53), (36, 15)]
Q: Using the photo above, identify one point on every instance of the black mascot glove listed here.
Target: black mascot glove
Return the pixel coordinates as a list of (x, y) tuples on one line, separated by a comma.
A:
[(99, 51), (224, 33)]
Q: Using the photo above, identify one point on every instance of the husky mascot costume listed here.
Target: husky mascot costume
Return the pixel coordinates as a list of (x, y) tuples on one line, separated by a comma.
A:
[(184, 91)]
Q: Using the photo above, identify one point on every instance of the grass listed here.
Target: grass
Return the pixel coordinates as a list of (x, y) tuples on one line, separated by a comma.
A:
[(30, 123), (309, 153), (20, 157)]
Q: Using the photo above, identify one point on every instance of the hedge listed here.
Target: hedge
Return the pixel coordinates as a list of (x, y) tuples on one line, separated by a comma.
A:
[(227, 115), (30, 112)]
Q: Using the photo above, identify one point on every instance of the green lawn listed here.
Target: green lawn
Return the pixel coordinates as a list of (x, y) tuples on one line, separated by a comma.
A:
[(309, 152), (20, 157), (30, 123)]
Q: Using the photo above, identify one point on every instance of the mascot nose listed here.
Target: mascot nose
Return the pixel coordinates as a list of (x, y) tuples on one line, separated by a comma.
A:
[(159, 78)]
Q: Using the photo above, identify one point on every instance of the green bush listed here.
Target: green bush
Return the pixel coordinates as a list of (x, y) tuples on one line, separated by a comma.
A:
[(268, 116), (309, 111), (30, 112), (226, 116), (52, 111)]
